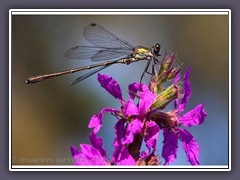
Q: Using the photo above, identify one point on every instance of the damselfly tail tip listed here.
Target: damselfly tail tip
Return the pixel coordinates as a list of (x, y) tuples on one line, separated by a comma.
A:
[(27, 81)]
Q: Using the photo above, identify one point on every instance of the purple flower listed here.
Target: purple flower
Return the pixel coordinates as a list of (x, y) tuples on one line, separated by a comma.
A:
[(124, 158), (140, 119), (96, 120), (111, 86), (133, 116), (133, 128), (93, 154), (172, 132)]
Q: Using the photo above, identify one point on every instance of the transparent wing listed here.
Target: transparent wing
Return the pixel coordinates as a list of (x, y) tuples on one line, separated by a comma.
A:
[(85, 76), (99, 36), (106, 55), (82, 52), (97, 53)]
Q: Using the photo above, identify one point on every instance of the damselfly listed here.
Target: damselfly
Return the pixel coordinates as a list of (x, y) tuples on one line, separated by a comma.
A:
[(107, 47)]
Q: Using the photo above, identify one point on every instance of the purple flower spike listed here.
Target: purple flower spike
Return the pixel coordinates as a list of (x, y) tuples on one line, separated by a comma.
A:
[(190, 146), (110, 85), (141, 121), (194, 117)]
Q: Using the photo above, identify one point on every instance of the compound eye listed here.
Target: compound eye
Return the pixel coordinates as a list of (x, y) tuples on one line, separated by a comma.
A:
[(156, 48)]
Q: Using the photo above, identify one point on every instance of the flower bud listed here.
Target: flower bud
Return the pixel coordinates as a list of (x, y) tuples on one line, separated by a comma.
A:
[(165, 97), (165, 119), (167, 62), (173, 73)]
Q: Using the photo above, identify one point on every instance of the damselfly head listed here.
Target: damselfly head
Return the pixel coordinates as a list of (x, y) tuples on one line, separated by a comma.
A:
[(155, 49)]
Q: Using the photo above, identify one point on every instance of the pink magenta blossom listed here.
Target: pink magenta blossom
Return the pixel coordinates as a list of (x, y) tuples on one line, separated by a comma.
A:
[(140, 120), (173, 133)]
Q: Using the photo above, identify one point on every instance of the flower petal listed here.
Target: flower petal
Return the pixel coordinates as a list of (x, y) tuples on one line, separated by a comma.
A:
[(89, 156), (125, 158), (176, 103), (175, 81), (146, 100), (130, 108), (96, 120), (190, 146), (133, 128), (119, 134), (74, 150), (170, 146), (96, 123), (97, 144), (110, 85), (194, 117), (135, 87), (187, 91), (151, 136), (177, 78)]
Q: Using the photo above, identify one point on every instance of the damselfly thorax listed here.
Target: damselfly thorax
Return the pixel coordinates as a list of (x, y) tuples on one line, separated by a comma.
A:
[(147, 53)]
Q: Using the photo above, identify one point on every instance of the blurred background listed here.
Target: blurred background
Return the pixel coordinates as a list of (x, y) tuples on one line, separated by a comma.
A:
[(49, 116)]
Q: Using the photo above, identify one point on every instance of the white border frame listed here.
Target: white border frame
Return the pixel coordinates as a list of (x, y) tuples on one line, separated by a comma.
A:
[(117, 12)]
